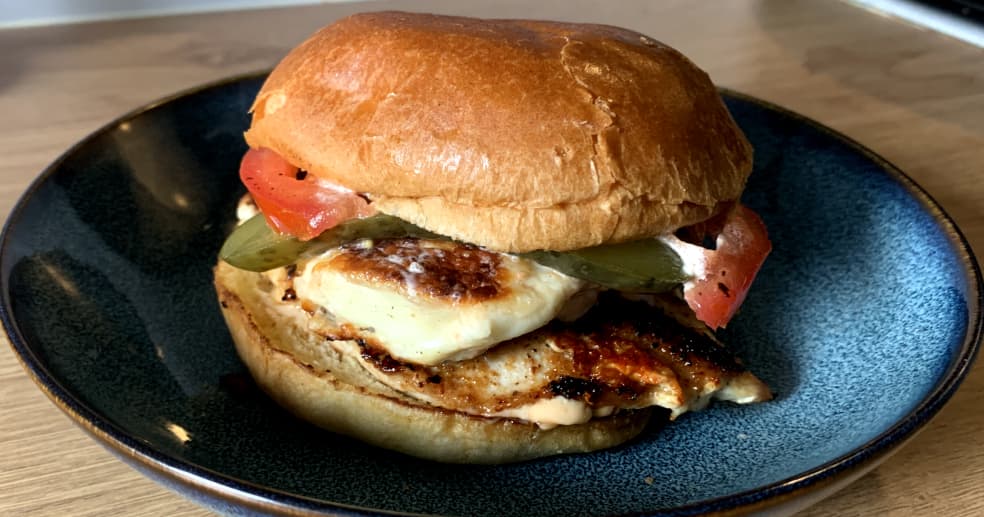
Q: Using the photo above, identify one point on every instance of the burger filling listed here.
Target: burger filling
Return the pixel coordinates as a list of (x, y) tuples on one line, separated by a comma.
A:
[(603, 352), (522, 336)]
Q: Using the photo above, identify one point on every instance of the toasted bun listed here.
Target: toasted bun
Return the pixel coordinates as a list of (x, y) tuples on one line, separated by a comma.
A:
[(515, 135), (310, 379)]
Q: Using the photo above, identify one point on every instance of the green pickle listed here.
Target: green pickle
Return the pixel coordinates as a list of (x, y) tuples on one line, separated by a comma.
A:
[(254, 246), (647, 265)]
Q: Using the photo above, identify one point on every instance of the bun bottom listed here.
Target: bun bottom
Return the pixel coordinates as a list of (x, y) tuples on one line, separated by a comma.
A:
[(313, 381)]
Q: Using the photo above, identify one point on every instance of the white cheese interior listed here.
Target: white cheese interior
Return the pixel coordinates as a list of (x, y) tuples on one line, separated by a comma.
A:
[(549, 413), (428, 330)]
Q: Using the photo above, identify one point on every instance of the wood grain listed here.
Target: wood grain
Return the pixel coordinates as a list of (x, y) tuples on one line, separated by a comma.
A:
[(913, 96)]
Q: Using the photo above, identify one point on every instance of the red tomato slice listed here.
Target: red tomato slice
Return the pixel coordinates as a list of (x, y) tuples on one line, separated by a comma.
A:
[(294, 202), (730, 269)]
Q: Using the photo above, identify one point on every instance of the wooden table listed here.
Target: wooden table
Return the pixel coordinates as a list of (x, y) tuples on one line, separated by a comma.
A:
[(914, 96)]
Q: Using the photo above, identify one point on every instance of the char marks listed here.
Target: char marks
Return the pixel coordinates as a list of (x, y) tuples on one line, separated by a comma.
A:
[(448, 270), (622, 354)]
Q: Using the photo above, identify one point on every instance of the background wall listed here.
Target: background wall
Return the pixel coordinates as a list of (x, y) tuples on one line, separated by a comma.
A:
[(15, 13)]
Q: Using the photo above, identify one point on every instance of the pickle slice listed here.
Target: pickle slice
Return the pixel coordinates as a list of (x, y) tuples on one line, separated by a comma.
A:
[(254, 246), (647, 265)]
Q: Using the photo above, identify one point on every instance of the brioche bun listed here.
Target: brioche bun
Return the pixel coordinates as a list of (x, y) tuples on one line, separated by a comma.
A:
[(514, 135), (321, 386)]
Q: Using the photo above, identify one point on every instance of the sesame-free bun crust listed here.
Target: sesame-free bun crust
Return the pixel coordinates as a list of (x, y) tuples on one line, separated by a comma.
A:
[(309, 378), (512, 134)]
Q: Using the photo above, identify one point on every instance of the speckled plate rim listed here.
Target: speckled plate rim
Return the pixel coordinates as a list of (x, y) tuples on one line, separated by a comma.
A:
[(839, 472), (216, 489)]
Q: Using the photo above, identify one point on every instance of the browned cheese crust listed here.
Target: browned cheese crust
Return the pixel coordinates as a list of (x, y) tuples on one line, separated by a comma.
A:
[(511, 134), (455, 271)]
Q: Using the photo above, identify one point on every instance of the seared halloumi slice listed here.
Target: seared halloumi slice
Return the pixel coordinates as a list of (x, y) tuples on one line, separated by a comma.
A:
[(430, 301)]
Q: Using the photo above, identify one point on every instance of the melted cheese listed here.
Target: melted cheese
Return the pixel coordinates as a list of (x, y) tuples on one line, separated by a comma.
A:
[(549, 413), (429, 330)]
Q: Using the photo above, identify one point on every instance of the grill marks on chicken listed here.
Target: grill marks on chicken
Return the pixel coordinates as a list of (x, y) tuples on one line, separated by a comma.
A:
[(621, 355)]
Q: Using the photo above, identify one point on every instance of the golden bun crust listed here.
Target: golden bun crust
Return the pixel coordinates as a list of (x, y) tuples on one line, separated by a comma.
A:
[(512, 134), (317, 384)]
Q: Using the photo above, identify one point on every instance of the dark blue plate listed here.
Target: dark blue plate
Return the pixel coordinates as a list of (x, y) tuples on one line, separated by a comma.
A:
[(864, 321)]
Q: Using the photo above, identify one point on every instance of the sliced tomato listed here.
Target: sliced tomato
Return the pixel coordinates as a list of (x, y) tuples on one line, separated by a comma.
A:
[(741, 248), (294, 202)]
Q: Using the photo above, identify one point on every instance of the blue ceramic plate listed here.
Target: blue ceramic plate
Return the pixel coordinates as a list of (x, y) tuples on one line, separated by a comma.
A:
[(864, 321)]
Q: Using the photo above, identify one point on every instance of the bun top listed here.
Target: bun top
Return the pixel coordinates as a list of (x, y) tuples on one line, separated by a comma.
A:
[(512, 134)]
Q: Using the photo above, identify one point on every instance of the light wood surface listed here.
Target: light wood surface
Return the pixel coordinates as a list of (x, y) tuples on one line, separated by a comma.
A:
[(913, 96)]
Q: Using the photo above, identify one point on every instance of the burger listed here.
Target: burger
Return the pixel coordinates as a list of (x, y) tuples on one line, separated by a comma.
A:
[(486, 241)]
